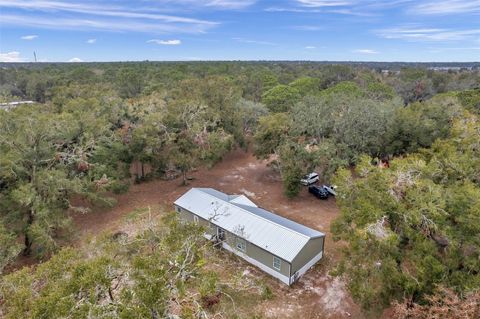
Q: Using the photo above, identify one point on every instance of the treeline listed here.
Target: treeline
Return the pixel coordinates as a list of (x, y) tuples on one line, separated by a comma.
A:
[(82, 142), (411, 82), (331, 128)]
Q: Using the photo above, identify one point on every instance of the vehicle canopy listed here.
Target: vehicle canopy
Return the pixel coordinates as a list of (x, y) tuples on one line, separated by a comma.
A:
[(311, 175)]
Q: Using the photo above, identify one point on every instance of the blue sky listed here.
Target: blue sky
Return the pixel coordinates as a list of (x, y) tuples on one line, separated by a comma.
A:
[(335, 30)]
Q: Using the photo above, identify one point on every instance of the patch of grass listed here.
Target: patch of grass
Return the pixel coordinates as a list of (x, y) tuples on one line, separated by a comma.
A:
[(120, 187), (267, 293), (140, 213), (239, 303)]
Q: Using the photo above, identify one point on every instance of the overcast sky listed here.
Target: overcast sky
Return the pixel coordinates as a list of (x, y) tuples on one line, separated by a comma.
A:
[(339, 30)]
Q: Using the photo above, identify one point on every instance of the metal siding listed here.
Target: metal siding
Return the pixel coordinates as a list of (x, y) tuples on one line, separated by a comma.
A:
[(188, 216), (261, 255), (264, 233), (185, 215), (310, 250), (283, 278), (257, 253), (266, 258)]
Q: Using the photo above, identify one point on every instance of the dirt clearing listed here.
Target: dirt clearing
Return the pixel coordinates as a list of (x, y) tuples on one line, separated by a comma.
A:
[(316, 295)]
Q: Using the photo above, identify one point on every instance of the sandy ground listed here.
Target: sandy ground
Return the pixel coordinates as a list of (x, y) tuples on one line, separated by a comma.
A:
[(238, 173), (316, 295)]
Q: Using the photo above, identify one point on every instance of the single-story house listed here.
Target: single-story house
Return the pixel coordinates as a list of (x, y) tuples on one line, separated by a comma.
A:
[(277, 245)]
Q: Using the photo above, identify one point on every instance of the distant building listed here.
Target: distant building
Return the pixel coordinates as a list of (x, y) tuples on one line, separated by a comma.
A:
[(11, 105), (450, 68), (277, 245)]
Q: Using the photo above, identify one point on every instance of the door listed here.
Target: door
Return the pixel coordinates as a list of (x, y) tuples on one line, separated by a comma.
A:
[(220, 233)]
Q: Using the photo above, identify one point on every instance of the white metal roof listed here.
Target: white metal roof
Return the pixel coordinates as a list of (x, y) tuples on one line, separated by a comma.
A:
[(236, 214), (242, 199)]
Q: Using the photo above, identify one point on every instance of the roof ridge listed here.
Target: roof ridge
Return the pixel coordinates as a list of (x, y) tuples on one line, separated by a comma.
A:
[(268, 220)]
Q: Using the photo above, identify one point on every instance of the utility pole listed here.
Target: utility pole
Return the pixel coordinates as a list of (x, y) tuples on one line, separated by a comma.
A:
[(35, 56)]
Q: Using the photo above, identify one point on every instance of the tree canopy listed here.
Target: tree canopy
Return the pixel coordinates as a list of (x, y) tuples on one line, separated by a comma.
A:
[(410, 231), (415, 225), (151, 275)]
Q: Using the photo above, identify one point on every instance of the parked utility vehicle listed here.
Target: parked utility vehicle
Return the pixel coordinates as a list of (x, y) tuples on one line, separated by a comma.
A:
[(309, 179), (318, 192), (331, 189)]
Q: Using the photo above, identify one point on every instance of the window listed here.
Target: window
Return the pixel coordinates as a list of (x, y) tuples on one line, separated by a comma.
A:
[(195, 219), (241, 244), (178, 209), (277, 263)]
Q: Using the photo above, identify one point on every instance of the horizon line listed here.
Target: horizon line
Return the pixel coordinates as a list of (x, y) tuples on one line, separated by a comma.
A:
[(236, 60)]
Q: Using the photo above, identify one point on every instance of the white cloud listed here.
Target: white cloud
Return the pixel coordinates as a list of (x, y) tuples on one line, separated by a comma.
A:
[(29, 37), (416, 33), (358, 8), (96, 10), (310, 47), (447, 7), (322, 3), (365, 51), (13, 56), (165, 42), (438, 50), (91, 41), (242, 40), (306, 27), (75, 60), (105, 25), (99, 17), (283, 9), (63, 5), (361, 8), (229, 4), (353, 12), (209, 4)]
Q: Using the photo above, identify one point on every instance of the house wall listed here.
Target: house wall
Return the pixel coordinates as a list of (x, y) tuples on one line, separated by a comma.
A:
[(312, 249), (262, 256), (252, 252), (188, 216)]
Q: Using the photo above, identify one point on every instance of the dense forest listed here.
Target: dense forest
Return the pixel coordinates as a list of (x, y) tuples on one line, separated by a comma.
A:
[(411, 232)]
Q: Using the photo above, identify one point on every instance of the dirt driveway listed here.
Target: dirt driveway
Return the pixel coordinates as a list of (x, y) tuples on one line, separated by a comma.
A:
[(316, 295)]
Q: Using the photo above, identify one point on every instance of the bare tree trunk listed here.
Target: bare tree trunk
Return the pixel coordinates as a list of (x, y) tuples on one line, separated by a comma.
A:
[(28, 246), (110, 294), (184, 172), (28, 241)]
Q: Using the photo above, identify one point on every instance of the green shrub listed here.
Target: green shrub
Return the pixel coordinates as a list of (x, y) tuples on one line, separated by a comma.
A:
[(267, 293)]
